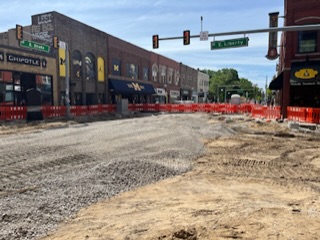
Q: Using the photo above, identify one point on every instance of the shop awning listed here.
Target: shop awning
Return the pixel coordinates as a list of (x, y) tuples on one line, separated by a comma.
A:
[(277, 83), (130, 87)]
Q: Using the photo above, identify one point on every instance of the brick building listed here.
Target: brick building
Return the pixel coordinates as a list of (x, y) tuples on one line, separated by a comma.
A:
[(101, 68), (298, 80)]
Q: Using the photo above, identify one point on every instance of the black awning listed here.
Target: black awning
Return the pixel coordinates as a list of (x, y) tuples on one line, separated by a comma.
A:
[(277, 83), (130, 87)]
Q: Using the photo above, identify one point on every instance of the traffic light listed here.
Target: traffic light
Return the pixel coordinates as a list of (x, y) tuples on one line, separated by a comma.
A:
[(19, 32), (273, 37), (186, 37), (55, 42), (155, 41)]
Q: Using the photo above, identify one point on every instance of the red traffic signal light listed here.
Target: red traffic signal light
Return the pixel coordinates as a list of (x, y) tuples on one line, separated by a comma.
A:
[(19, 32), (55, 42), (155, 41), (186, 37)]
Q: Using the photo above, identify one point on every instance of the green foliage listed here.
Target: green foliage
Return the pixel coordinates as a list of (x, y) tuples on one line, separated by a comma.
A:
[(225, 82)]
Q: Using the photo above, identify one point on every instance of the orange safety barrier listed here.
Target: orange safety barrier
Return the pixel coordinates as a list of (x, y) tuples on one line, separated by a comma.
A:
[(150, 107), (53, 111), (79, 110), (296, 114), (108, 108), (310, 115), (313, 115), (94, 109), (273, 112), (163, 107), (201, 107), (258, 111), (13, 113)]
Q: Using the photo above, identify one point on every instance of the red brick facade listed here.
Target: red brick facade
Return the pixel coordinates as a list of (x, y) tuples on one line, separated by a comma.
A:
[(297, 12), (99, 61)]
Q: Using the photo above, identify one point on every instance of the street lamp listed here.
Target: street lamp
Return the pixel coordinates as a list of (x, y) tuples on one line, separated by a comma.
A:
[(222, 91)]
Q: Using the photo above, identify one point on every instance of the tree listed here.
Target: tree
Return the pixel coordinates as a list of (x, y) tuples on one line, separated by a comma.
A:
[(225, 82)]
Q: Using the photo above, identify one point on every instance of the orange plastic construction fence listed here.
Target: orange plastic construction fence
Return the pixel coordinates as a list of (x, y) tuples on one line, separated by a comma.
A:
[(313, 115), (297, 114), (13, 113)]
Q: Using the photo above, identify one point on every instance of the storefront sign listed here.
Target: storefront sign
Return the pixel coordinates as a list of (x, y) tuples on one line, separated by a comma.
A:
[(160, 91), (174, 94), (13, 58), (135, 86), (1, 56), (305, 73)]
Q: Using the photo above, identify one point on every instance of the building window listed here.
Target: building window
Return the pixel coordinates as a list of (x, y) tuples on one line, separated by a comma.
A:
[(154, 72), (307, 42)]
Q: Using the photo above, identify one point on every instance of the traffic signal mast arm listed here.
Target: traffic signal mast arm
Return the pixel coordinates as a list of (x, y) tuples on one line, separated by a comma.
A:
[(264, 30), (21, 32)]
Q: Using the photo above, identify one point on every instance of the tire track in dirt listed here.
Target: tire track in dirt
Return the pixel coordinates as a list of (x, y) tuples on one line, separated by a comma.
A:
[(24, 170), (242, 156)]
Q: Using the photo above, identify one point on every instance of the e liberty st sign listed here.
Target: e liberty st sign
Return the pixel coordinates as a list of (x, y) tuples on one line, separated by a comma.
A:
[(230, 43)]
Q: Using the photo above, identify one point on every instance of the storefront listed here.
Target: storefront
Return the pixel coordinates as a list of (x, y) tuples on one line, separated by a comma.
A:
[(305, 84), (135, 92), (160, 96), (186, 94), (174, 96), (21, 72)]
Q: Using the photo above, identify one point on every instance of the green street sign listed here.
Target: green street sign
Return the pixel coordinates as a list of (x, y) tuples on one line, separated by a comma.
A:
[(35, 46), (230, 43)]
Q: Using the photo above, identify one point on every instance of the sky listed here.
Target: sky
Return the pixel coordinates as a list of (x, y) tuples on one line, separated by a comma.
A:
[(136, 21)]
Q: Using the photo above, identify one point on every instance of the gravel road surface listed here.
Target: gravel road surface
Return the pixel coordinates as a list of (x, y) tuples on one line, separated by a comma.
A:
[(48, 174)]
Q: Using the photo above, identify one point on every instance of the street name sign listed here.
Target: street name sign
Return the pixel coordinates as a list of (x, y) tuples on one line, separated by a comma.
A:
[(230, 43), (35, 46)]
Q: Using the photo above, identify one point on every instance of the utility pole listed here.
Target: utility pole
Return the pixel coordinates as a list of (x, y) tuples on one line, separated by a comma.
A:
[(266, 88), (67, 84)]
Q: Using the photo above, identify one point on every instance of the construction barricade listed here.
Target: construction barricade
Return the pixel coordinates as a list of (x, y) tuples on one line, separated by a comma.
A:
[(258, 111), (272, 112), (53, 111), (297, 114), (313, 115), (13, 113)]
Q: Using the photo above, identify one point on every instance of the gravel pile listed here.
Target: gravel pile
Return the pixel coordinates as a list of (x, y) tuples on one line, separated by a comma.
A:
[(49, 174)]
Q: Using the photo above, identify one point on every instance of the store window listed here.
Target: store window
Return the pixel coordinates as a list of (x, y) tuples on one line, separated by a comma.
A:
[(14, 86), (44, 84), (6, 88), (307, 42)]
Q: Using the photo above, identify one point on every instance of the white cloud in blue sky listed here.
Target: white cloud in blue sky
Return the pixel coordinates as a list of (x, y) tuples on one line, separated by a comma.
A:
[(137, 21)]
